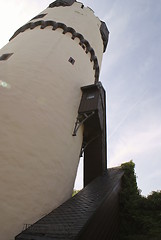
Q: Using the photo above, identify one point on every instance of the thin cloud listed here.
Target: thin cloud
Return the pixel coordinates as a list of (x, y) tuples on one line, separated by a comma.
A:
[(132, 144)]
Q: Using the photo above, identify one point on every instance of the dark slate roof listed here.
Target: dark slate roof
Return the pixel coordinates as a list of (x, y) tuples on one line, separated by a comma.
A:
[(69, 220)]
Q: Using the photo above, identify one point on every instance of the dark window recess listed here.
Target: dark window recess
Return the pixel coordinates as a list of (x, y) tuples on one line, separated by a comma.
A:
[(5, 56), (82, 6), (90, 96), (39, 16), (71, 60)]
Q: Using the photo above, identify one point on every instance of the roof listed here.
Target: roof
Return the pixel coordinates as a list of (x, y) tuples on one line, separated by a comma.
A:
[(72, 218)]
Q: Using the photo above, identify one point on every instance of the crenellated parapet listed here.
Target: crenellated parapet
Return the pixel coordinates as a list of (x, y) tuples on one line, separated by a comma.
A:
[(55, 25), (103, 28), (62, 3), (85, 42)]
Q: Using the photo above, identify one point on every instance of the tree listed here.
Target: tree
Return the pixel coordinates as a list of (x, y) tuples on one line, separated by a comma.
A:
[(140, 217)]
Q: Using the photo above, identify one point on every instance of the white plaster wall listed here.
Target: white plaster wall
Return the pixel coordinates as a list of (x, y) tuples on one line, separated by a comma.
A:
[(38, 154), (83, 21)]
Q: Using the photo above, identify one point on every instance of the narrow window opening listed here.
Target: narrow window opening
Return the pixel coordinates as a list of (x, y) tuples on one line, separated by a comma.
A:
[(39, 16), (82, 6), (71, 60), (90, 96), (5, 56)]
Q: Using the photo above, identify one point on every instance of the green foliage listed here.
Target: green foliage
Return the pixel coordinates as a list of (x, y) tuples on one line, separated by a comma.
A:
[(140, 217), (154, 200), (75, 192)]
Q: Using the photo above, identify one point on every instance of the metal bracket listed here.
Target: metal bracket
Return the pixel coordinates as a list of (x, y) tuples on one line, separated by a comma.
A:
[(80, 120)]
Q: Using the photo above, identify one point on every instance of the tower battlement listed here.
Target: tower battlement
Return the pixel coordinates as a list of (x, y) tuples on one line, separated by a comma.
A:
[(42, 70)]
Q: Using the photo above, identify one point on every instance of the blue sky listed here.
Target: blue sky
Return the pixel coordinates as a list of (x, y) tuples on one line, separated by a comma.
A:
[(131, 75)]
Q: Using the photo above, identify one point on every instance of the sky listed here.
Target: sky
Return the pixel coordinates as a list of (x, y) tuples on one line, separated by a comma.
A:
[(130, 74)]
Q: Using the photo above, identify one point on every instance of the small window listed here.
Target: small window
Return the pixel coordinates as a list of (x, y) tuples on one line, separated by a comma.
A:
[(39, 16), (90, 96), (71, 60), (5, 56)]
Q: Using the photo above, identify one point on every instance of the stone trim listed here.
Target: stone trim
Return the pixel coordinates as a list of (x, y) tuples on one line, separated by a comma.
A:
[(63, 3), (103, 28), (39, 16), (83, 42), (105, 34)]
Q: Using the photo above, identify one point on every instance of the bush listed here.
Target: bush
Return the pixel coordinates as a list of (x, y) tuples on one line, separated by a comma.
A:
[(140, 217)]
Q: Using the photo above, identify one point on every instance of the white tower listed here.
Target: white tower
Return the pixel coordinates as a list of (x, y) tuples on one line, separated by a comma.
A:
[(41, 71)]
